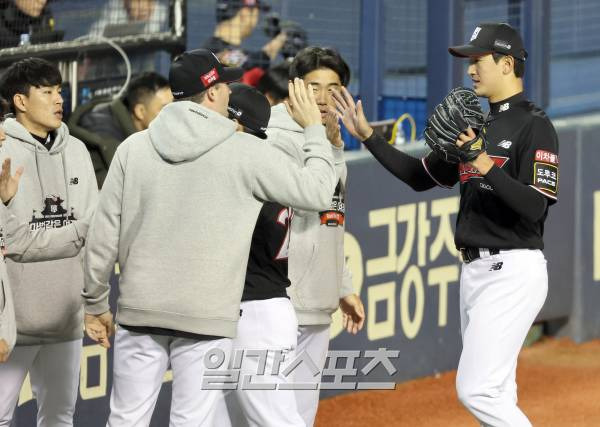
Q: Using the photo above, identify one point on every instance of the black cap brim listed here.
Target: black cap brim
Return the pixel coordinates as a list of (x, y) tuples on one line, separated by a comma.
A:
[(468, 51), (231, 74)]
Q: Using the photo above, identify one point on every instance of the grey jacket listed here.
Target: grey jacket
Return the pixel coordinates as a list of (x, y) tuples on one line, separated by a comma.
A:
[(8, 326), (45, 225), (177, 211), (316, 264)]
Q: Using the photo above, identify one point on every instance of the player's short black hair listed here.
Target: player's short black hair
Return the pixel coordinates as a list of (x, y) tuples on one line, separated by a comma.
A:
[(313, 58), (519, 67), (275, 81), (23, 74), (143, 87)]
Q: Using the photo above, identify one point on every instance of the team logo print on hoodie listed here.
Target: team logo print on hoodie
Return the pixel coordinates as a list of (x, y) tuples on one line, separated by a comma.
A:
[(334, 216), (54, 215)]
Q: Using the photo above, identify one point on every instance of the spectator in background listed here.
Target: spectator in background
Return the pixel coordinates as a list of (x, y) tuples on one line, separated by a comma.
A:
[(274, 83), (26, 17), (102, 125), (236, 20), (154, 13)]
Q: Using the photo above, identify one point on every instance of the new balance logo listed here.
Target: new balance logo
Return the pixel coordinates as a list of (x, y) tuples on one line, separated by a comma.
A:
[(74, 181), (505, 144), (496, 266)]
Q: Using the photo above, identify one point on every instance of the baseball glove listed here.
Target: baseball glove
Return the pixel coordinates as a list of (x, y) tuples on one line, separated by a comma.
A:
[(457, 112)]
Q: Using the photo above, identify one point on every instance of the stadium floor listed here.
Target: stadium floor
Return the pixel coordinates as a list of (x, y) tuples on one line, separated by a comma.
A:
[(559, 386)]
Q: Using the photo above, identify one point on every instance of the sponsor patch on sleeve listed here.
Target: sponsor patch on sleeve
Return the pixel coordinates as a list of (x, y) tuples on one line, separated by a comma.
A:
[(546, 157), (545, 177)]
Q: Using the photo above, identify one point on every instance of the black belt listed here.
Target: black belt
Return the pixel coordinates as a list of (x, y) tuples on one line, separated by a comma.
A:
[(471, 254)]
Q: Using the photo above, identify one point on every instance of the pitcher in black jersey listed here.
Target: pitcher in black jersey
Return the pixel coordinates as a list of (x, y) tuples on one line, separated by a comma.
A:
[(505, 196), (268, 320)]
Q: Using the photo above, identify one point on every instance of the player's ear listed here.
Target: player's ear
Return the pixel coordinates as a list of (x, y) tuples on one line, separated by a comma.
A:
[(211, 93), (19, 101), (508, 64), (139, 111)]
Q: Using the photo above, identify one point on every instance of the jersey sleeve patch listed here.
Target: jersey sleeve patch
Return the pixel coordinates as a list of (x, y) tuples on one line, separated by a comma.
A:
[(545, 177), (544, 156)]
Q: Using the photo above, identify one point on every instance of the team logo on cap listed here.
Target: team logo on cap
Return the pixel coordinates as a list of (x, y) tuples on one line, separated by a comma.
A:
[(210, 77), (475, 33), (502, 44), (233, 111)]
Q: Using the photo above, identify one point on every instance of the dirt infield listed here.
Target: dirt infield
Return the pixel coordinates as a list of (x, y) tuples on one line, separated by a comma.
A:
[(559, 386)]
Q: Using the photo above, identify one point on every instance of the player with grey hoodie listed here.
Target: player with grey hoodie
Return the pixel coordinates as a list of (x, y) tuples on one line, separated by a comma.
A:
[(45, 224), (8, 327), (177, 210), (320, 280)]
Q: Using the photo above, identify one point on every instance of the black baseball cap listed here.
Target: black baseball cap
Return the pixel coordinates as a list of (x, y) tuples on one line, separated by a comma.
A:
[(492, 37), (250, 107), (195, 71), (226, 9)]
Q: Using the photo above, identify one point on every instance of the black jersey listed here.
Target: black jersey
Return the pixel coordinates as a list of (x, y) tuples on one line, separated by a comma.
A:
[(523, 143), (267, 272)]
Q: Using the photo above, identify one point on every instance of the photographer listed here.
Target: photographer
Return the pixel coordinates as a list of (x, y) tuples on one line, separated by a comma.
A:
[(236, 21)]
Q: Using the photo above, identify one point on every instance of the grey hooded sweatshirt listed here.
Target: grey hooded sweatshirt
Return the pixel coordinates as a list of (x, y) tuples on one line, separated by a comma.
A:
[(8, 327), (44, 229), (177, 210), (316, 264)]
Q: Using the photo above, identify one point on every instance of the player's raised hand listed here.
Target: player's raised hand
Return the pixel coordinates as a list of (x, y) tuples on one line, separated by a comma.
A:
[(352, 114), (99, 328), (301, 104), (9, 184)]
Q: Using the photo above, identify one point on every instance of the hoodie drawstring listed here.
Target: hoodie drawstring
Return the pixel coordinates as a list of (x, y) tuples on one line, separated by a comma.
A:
[(37, 168), (66, 176)]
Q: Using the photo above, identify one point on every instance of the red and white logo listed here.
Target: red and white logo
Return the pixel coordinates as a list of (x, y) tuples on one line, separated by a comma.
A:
[(546, 157), (210, 77), (466, 171)]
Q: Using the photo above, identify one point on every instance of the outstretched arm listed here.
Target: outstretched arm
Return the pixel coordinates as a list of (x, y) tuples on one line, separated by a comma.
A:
[(403, 166)]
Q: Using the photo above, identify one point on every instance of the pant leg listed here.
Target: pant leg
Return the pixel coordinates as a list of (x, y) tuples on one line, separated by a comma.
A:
[(55, 382), (270, 325), (139, 364), (228, 412), (192, 406), (314, 340), (12, 375), (500, 305)]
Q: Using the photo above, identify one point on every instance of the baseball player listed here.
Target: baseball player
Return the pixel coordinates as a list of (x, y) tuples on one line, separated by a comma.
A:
[(177, 210), (320, 281), (268, 321), (506, 191), (8, 328), (44, 228)]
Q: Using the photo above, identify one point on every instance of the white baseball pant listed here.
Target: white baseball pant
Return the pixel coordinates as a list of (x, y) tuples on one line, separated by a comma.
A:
[(500, 297), (314, 340), (140, 362), (271, 325), (54, 374)]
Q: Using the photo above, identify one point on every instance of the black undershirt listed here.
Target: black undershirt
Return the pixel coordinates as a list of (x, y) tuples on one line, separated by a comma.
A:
[(47, 141), (151, 330)]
